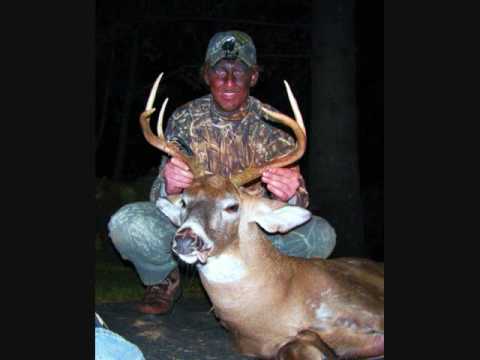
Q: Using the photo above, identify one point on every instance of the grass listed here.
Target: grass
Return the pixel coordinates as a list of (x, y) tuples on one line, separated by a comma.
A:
[(116, 284), (117, 281)]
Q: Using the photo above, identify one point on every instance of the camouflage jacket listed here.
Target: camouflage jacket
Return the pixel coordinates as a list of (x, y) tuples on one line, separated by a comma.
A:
[(226, 146)]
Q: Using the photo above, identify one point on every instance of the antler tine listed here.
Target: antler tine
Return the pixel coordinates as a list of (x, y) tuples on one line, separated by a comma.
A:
[(294, 105), (153, 93), (159, 141), (299, 131), (160, 119)]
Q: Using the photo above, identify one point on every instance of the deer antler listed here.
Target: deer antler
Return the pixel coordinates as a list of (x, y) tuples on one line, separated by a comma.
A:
[(298, 128), (159, 141)]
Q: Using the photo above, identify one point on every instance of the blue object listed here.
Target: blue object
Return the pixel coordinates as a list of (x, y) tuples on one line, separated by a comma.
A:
[(111, 346)]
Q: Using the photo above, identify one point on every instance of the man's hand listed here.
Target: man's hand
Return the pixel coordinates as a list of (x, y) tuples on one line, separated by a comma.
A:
[(177, 176), (282, 182)]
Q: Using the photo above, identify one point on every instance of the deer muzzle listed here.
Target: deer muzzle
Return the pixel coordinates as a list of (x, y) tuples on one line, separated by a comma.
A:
[(188, 244)]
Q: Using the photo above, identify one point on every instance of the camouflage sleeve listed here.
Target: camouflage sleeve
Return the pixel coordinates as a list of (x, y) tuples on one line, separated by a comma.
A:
[(158, 186), (301, 197), (178, 126), (177, 130)]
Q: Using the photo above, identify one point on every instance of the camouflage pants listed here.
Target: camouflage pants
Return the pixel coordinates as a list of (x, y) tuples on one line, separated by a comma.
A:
[(143, 235)]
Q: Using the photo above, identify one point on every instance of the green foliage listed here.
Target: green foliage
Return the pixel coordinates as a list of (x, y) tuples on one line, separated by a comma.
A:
[(116, 283), (115, 280)]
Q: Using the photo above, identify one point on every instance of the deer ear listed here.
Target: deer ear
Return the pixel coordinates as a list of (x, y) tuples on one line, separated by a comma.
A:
[(283, 219), (171, 210)]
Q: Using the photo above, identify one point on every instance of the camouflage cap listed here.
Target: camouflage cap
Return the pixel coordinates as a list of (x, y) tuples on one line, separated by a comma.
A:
[(231, 44)]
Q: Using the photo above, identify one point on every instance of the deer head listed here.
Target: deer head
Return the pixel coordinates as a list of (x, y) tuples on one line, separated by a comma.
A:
[(210, 211)]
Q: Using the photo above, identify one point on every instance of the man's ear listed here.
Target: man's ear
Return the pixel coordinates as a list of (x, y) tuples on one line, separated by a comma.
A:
[(282, 219), (205, 75), (254, 77)]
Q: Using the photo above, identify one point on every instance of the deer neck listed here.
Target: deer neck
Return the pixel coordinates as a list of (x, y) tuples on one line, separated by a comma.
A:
[(254, 248), (244, 260), (235, 278)]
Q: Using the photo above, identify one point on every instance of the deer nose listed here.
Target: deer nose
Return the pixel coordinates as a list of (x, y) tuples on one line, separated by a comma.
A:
[(186, 241)]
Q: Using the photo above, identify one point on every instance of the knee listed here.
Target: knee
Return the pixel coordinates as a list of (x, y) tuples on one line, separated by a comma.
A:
[(141, 228), (122, 219), (326, 235), (128, 220), (306, 345), (326, 230)]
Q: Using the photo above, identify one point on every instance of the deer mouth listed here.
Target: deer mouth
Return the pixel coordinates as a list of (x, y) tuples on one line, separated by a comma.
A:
[(190, 247), (202, 255), (194, 256)]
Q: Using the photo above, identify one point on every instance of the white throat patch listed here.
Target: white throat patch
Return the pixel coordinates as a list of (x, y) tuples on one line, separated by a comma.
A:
[(189, 259), (223, 269)]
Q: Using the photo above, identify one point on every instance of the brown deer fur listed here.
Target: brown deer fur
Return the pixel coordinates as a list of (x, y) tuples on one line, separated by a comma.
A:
[(266, 299)]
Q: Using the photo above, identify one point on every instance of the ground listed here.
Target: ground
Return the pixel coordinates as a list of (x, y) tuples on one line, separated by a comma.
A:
[(189, 332)]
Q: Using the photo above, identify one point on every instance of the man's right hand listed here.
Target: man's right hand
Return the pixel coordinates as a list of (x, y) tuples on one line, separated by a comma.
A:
[(177, 176)]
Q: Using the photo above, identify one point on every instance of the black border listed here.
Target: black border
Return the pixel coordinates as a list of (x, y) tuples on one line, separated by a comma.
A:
[(49, 170)]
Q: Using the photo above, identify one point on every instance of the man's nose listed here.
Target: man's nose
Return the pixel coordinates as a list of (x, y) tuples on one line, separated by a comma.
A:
[(230, 80)]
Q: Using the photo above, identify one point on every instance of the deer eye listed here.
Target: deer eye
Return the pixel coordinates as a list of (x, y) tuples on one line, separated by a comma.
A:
[(181, 203), (232, 208)]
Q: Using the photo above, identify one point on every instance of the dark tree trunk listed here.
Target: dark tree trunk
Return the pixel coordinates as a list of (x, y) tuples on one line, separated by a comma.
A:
[(123, 136), (333, 177)]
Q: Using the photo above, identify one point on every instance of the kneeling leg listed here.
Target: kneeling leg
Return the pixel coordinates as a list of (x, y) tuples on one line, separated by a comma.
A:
[(306, 346)]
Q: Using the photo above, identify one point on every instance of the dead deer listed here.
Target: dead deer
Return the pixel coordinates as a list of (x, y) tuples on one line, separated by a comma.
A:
[(274, 306)]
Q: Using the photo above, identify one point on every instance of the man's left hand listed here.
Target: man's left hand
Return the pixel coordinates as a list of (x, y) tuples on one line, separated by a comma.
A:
[(282, 182)]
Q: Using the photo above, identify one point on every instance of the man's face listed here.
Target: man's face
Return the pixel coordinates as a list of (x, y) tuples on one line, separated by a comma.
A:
[(230, 82)]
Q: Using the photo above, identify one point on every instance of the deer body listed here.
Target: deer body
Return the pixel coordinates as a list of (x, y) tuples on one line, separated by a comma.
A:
[(266, 298), (275, 306)]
